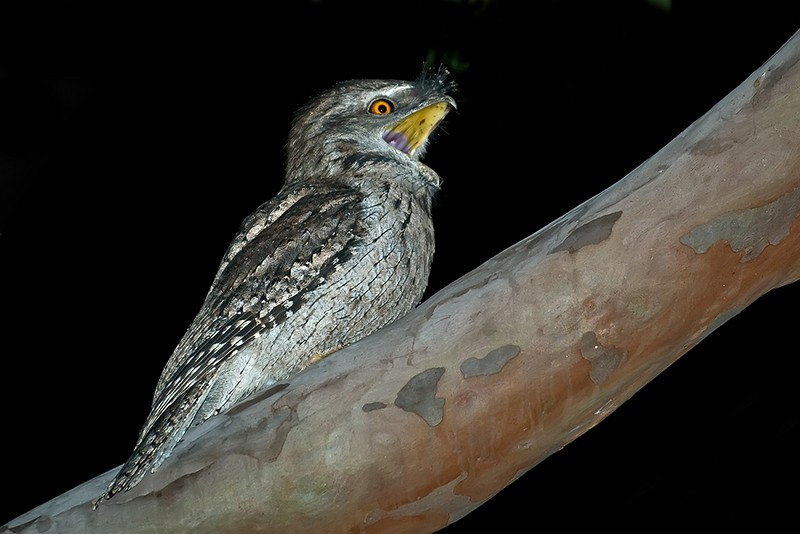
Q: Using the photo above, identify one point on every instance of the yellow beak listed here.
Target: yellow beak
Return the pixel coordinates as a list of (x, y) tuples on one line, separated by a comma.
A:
[(411, 133)]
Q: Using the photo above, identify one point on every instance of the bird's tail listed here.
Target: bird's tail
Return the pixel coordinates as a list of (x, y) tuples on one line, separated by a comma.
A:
[(156, 443), (177, 404)]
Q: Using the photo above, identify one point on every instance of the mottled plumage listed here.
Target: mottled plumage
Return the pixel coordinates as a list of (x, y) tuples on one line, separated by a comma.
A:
[(343, 249)]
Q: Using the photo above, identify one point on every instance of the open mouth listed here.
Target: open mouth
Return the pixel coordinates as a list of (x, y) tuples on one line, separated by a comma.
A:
[(398, 140), (411, 133)]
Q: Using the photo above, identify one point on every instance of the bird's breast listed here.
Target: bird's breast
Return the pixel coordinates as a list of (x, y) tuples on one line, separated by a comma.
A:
[(381, 277)]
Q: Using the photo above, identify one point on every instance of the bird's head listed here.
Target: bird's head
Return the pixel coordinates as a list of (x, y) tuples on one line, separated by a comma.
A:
[(359, 122)]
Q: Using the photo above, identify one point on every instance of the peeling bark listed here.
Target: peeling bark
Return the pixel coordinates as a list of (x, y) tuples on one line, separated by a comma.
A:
[(544, 340)]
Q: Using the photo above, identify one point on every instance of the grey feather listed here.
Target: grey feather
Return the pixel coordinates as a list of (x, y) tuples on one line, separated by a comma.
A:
[(342, 250)]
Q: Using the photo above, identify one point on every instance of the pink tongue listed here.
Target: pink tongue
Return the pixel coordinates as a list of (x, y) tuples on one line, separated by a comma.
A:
[(397, 140)]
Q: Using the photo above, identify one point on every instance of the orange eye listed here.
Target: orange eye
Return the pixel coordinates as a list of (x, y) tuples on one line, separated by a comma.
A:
[(381, 107)]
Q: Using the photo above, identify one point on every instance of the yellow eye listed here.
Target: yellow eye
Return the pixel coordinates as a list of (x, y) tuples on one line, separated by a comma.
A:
[(381, 107)]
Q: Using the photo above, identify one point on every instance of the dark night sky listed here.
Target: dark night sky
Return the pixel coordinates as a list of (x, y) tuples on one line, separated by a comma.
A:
[(134, 138)]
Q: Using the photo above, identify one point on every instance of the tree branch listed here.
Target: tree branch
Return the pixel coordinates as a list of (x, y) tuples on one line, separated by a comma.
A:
[(417, 425)]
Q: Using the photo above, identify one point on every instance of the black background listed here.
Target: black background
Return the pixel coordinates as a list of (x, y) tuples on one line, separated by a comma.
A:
[(134, 138)]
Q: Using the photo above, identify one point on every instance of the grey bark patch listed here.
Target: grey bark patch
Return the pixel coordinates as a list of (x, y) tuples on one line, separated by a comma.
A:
[(490, 364), (711, 146), (41, 524), (593, 232), (604, 360), (747, 230), (267, 393), (274, 429), (419, 396), (372, 406)]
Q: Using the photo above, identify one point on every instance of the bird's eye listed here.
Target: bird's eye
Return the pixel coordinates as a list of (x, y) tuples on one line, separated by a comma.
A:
[(381, 107)]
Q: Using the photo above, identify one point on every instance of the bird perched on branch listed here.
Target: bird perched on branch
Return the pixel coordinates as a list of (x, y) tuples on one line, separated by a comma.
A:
[(343, 249)]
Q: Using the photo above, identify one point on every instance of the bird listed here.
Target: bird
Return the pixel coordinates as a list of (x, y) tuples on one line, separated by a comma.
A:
[(344, 248)]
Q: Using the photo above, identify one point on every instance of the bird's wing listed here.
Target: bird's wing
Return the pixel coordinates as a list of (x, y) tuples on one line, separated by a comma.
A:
[(275, 266), (285, 258)]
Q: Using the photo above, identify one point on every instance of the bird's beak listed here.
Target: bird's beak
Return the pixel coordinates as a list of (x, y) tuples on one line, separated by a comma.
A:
[(411, 133)]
